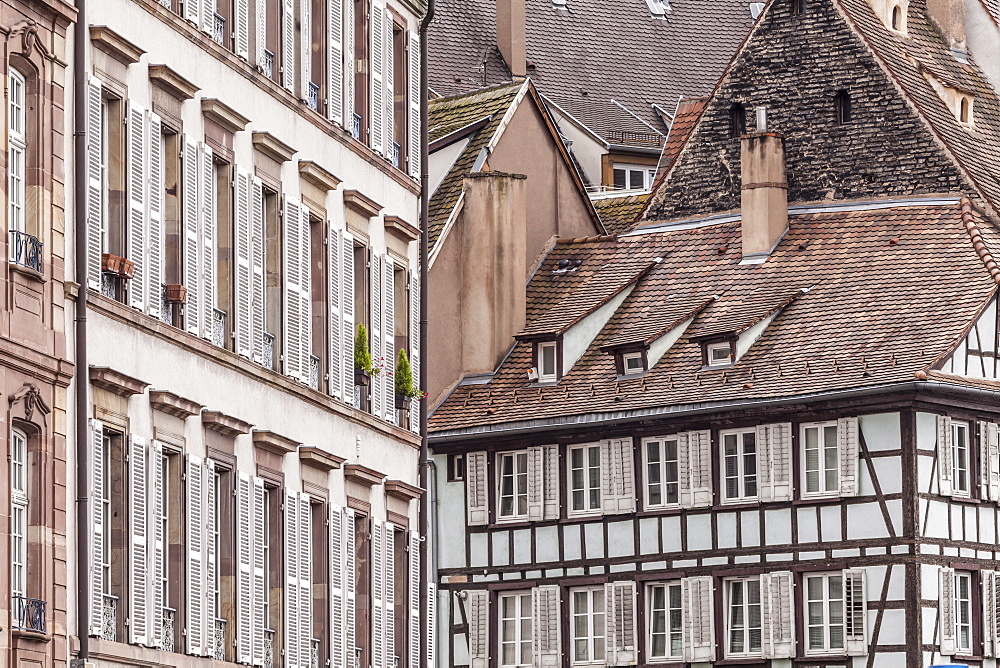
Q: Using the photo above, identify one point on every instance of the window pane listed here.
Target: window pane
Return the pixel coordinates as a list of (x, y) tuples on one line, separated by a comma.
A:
[(620, 179), (548, 359)]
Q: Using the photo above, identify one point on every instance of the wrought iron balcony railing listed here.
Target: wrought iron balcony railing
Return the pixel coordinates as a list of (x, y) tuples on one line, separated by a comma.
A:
[(314, 372), (357, 656), (26, 251), (219, 640), (167, 642), (109, 618), (29, 614), (267, 63), (268, 352), (219, 29), (356, 127), (268, 648), (314, 653), (219, 328), (395, 155), (313, 97)]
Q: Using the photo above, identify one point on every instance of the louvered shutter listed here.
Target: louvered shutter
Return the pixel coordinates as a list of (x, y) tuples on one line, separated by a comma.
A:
[(476, 495), (95, 184), (292, 246), (96, 585), (347, 313), (700, 461), (242, 29), (206, 178), (138, 554), (288, 44), (375, 332), (257, 270), (617, 477), (335, 355), (698, 630), (389, 338), (208, 16), (292, 589), (774, 443), (413, 601), (244, 570), (338, 644), (195, 494), (620, 624), (847, 435), (136, 141), (350, 586), (545, 644), (550, 482), (335, 60), (415, 347), (778, 615), (243, 318), (305, 294), (389, 596), (536, 483), (685, 496), (376, 66), (192, 241), (305, 47), (305, 581), (946, 602), (260, 18), (211, 558), (989, 600), (259, 593), (413, 64), (192, 11), (944, 455), (992, 461), (855, 612), (478, 610), (157, 545), (388, 77), (350, 64), (378, 593), (154, 216)]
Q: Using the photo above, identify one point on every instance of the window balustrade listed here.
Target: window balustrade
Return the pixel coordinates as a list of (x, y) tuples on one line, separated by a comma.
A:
[(29, 614), (26, 251)]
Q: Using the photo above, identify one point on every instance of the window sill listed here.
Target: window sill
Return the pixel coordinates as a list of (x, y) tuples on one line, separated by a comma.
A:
[(965, 499), (817, 500), (742, 661), (741, 504), (26, 271), (28, 634)]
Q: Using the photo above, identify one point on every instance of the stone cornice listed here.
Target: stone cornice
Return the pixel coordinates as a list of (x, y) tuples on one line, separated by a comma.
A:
[(276, 443), (367, 207), (174, 84), (224, 424), (172, 404), (398, 489), (116, 46), (317, 176), (363, 475), (400, 228), (272, 147), (116, 382), (310, 455), (225, 116)]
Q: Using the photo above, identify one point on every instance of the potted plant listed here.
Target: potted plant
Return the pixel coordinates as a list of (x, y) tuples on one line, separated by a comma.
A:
[(406, 389), (364, 369)]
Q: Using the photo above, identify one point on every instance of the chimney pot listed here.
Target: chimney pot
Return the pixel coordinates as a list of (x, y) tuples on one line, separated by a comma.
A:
[(764, 195)]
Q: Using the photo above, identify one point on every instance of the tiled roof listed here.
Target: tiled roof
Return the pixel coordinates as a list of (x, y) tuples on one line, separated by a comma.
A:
[(581, 64), (657, 315), (619, 213), (685, 118), (892, 290), (742, 307), (993, 7)]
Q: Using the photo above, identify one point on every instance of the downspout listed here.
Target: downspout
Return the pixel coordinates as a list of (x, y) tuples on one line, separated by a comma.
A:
[(426, 520), (83, 554)]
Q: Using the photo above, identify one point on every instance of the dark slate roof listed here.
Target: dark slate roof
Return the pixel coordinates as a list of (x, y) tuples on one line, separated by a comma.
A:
[(619, 213), (893, 288), (593, 52)]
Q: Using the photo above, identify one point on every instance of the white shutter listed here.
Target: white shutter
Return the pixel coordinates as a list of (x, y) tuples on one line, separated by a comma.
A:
[(415, 347), (97, 538), (305, 293), (208, 16), (617, 477), (990, 621), (476, 486), (335, 60), (305, 581), (192, 241), (545, 644), (257, 269), (350, 64), (243, 318), (620, 624), (206, 178), (154, 216), (138, 570), (685, 495), (195, 493), (478, 609), (376, 51), (944, 455), (536, 482), (550, 482), (95, 186), (136, 140), (946, 601), (389, 595), (350, 586), (291, 247), (375, 331), (335, 355), (992, 461), (431, 639), (774, 444), (700, 461), (389, 337), (338, 644), (378, 593), (855, 612), (288, 44), (157, 545), (305, 47), (259, 623), (292, 589), (244, 569), (347, 313), (242, 29), (260, 18), (192, 11), (698, 630), (847, 434), (211, 558), (388, 77), (413, 64), (778, 615), (413, 601)]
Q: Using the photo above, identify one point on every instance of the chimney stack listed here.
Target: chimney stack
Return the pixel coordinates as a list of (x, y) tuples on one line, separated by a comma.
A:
[(512, 36), (949, 17), (764, 195)]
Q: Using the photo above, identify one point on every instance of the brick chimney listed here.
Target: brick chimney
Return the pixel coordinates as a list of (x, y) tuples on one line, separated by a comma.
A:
[(764, 195), (512, 35), (949, 17)]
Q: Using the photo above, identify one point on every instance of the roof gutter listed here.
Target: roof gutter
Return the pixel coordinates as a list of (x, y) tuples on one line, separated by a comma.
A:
[(617, 418)]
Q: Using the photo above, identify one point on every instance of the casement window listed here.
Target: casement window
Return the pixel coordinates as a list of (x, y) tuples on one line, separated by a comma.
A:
[(546, 362), (587, 625), (634, 177), (102, 469), (798, 7), (456, 467), (663, 475), (824, 600), (956, 595), (740, 465), (678, 470), (633, 363), (743, 609), (829, 452), (960, 458), (963, 612), (228, 269), (738, 116), (19, 512), (512, 495), (17, 152), (515, 630), (719, 353), (359, 73), (364, 529), (269, 285), (954, 458), (585, 479), (526, 484), (665, 612), (842, 107)]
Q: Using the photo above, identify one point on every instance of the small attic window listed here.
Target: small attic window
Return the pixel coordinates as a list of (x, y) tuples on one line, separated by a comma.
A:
[(965, 110), (633, 363), (897, 19), (894, 15), (798, 7), (546, 365), (842, 107), (718, 353), (659, 8), (737, 120)]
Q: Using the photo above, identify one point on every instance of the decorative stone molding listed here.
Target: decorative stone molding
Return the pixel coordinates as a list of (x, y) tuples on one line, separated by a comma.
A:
[(115, 382), (272, 147), (402, 491), (363, 475), (317, 176), (224, 424), (171, 404), (310, 455), (225, 116), (397, 226), (174, 84), (116, 46), (367, 207), (276, 443)]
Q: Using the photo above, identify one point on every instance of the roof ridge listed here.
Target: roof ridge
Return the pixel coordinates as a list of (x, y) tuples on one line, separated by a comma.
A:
[(977, 240)]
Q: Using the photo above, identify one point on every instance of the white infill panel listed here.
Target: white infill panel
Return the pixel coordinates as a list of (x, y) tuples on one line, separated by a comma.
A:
[(347, 313), (946, 603), (378, 593), (257, 270), (292, 590), (545, 633), (476, 497), (136, 140), (847, 434), (778, 627), (195, 589), (698, 632), (413, 127), (855, 612), (389, 338), (158, 544), (335, 355), (139, 585), (335, 60), (413, 601), (95, 184), (154, 216), (944, 462), (338, 641), (620, 623), (478, 610), (243, 321), (206, 177), (192, 240), (244, 570), (292, 352)]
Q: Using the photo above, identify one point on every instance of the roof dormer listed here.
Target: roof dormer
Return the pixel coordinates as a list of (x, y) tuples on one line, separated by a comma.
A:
[(892, 13), (958, 100)]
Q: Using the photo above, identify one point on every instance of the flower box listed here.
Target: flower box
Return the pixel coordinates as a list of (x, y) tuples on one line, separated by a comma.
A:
[(175, 294)]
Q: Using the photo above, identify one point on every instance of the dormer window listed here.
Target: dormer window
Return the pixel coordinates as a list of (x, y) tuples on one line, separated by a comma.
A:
[(632, 363), (546, 362), (718, 353), (893, 14), (897, 19), (960, 102)]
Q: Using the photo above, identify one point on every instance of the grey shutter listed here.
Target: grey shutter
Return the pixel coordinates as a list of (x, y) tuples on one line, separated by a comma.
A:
[(946, 601), (617, 477), (347, 312), (259, 593), (335, 60), (335, 355), (292, 246), (944, 455), (350, 65), (244, 570), (138, 554), (292, 589), (387, 76), (211, 558), (413, 64), (378, 593), (288, 44), (260, 19), (305, 48), (536, 483), (375, 331), (989, 601), (136, 180), (778, 615), (243, 320), (476, 489), (192, 240), (855, 612), (157, 545), (154, 217), (195, 495), (415, 347), (413, 601), (545, 644), (95, 186), (698, 630), (478, 610), (847, 434), (338, 641), (620, 624), (700, 462), (376, 49), (206, 178), (389, 596), (550, 482), (389, 338), (257, 269), (350, 586), (242, 29)]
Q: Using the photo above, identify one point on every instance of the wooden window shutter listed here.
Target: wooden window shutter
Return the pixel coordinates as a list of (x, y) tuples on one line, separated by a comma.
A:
[(243, 321), (478, 609), (389, 596), (157, 545), (347, 313), (388, 77), (545, 643), (192, 11), (136, 141), (617, 482), (376, 64), (413, 64), (415, 347), (305, 294), (211, 558), (96, 587), (95, 185), (257, 269), (620, 624), (305, 581), (195, 524), (305, 48), (206, 177), (338, 645), (685, 494), (698, 629), (349, 63), (192, 241), (989, 461), (139, 517), (242, 29), (335, 60), (536, 482), (476, 486), (550, 482), (847, 434), (375, 332), (288, 44), (335, 356), (244, 570), (988, 581), (208, 16), (377, 593), (260, 19), (259, 594), (855, 612), (291, 247), (431, 639), (389, 338), (944, 455), (350, 587), (946, 602), (292, 571), (774, 443), (154, 216), (700, 462), (778, 615), (413, 601)]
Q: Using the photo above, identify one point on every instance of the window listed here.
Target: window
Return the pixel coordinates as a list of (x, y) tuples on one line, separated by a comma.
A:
[(666, 620), (400, 103), (898, 24), (19, 512), (634, 177), (515, 630), (963, 612), (965, 110), (633, 363), (588, 625), (513, 476), (960, 458), (798, 7), (546, 362), (164, 520), (17, 151), (824, 597), (105, 502), (842, 107), (215, 535), (737, 120), (362, 79), (739, 455), (456, 468), (821, 459), (719, 353), (662, 474), (743, 617), (585, 478)]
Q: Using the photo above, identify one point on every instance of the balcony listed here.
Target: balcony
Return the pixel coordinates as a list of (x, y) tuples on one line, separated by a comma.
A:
[(356, 127), (167, 633), (313, 98), (219, 328), (26, 251), (29, 614), (267, 360), (109, 618), (268, 661), (314, 372), (267, 63), (395, 154), (219, 29), (219, 640)]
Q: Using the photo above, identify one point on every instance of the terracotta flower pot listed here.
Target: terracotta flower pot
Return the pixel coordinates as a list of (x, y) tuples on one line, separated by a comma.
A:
[(128, 267), (176, 294), (112, 263)]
